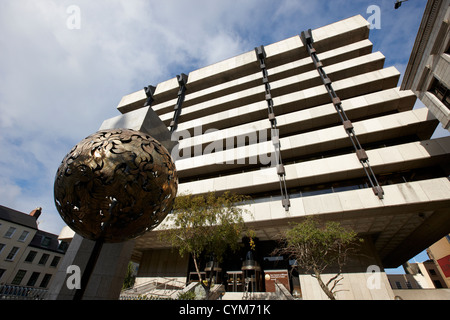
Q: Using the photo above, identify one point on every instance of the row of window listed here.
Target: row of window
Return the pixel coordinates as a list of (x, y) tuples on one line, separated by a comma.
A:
[(43, 260), (10, 232), (305, 158), (31, 281), (45, 241), (30, 257), (355, 184), (437, 284), (399, 285)]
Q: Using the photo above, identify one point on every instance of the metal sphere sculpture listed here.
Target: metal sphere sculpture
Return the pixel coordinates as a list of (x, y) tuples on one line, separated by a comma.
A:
[(115, 185)]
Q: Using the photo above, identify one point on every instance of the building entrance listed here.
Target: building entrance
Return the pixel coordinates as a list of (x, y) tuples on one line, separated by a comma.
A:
[(249, 270)]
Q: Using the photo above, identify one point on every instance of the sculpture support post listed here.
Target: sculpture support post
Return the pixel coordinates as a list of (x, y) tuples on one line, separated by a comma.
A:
[(89, 269), (106, 279)]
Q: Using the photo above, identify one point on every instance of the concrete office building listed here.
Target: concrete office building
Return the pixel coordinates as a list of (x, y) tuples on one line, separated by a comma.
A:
[(313, 125)]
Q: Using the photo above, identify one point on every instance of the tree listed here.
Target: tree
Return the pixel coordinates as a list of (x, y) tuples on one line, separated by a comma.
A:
[(208, 224), (129, 277), (316, 248)]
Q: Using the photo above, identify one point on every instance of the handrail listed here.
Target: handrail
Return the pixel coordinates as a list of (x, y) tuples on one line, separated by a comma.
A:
[(140, 288), (13, 292), (247, 295), (147, 288), (281, 289), (157, 282)]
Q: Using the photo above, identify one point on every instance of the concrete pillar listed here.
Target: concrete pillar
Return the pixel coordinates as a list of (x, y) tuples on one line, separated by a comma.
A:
[(364, 278), (107, 277)]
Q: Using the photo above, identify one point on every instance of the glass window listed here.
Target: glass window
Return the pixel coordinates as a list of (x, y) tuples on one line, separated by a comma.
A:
[(45, 280), (18, 278), (316, 190), (55, 261), (2, 271), (63, 246), (441, 92), (23, 236), (342, 187), (12, 254), (2, 245), (46, 241), (31, 255), (44, 259), (32, 281), (10, 232)]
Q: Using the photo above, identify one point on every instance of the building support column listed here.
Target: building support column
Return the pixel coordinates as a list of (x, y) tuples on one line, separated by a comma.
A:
[(105, 282), (363, 278)]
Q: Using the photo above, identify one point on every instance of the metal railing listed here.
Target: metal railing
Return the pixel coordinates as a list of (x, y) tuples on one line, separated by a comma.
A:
[(11, 292), (167, 285), (282, 292)]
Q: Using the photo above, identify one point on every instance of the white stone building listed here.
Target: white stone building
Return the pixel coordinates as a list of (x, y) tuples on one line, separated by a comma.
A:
[(29, 257)]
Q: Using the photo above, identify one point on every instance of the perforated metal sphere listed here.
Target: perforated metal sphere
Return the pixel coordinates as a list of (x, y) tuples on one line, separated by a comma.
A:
[(115, 185)]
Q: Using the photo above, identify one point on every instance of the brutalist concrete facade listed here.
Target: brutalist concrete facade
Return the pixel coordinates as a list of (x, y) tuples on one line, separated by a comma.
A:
[(264, 124), (428, 69)]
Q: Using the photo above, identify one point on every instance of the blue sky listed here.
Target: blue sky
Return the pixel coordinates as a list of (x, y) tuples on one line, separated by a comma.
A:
[(57, 85)]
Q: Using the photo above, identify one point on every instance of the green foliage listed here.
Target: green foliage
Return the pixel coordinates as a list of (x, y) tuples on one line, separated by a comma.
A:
[(129, 277), (315, 246), (190, 295), (206, 223)]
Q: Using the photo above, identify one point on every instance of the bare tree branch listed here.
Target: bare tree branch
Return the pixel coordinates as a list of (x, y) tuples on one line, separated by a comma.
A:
[(317, 248)]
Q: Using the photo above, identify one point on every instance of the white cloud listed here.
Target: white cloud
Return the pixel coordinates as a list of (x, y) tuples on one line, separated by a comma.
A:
[(57, 85)]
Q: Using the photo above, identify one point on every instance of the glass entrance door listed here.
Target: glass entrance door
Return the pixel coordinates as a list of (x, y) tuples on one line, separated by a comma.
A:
[(235, 281)]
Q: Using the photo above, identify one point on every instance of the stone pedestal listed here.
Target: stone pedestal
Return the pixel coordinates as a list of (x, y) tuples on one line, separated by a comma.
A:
[(106, 280)]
